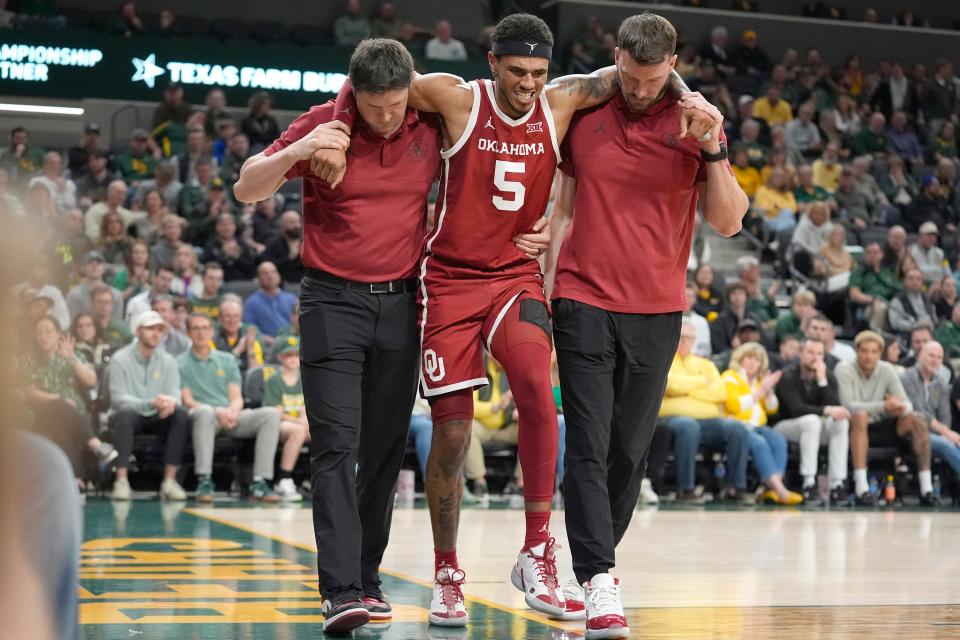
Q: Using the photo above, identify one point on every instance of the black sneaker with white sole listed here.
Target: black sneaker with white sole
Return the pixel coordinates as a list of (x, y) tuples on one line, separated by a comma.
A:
[(343, 613)]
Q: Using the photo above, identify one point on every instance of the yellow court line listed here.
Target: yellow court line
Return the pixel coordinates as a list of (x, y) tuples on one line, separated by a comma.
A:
[(396, 574)]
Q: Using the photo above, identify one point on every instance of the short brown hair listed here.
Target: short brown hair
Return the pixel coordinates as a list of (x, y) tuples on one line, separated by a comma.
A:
[(100, 289), (648, 38), (379, 65)]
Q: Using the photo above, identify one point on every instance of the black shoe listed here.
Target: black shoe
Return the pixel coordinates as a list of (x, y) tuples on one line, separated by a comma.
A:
[(343, 613), (866, 499), (811, 495), (373, 600), (929, 500), (839, 497)]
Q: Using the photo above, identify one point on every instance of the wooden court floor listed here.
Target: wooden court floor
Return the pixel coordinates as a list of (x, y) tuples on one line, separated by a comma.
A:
[(152, 570)]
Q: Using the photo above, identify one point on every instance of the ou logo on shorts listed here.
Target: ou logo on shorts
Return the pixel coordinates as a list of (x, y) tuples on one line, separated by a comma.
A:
[(433, 366)]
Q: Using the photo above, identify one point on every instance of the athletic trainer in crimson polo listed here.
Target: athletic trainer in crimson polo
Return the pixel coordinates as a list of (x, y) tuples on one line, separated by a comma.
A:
[(362, 244), (625, 218), (635, 205), (376, 218)]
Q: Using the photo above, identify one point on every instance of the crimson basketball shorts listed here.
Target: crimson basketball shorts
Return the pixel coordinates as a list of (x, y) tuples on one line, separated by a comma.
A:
[(458, 319)]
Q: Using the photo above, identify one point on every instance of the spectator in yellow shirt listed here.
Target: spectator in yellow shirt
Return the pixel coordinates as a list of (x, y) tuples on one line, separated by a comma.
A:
[(691, 409), (747, 176), (750, 398), (771, 108), (826, 169), (776, 203)]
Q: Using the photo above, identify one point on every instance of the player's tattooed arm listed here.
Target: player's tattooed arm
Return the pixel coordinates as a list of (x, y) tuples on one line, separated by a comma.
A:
[(581, 91)]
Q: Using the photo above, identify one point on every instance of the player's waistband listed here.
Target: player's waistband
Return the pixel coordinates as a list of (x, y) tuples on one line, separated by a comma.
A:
[(392, 286)]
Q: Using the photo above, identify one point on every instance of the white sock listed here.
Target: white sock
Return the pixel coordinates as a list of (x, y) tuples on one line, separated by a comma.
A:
[(809, 481), (926, 484), (860, 481)]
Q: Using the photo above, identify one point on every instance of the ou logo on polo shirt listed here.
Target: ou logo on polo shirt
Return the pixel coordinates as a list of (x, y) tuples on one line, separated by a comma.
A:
[(433, 366), (417, 151), (221, 373)]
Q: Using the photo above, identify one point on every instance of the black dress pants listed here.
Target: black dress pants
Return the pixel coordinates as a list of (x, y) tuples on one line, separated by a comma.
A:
[(128, 422), (613, 373), (359, 356)]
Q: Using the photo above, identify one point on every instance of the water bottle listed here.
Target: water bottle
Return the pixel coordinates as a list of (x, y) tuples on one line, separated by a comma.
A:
[(719, 470), (936, 487), (874, 486), (890, 491)]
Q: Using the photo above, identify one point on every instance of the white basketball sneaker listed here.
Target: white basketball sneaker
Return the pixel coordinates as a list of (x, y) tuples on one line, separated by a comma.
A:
[(535, 574), (446, 607), (573, 601), (605, 618)]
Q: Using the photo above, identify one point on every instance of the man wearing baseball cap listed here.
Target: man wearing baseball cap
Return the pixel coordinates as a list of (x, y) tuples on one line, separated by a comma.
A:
[(78, 298), (136, 163), (284, 390), (930, 259), (77, 156), (145, 396)]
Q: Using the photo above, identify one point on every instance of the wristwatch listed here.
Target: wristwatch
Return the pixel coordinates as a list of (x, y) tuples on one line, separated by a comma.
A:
[(715, 157)]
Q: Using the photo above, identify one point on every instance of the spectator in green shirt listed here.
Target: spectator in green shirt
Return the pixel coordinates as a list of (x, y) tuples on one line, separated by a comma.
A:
[(873, 138), (55, 379), (21, 160), (114, 331), (292, 330), (208, 302), (944, 144), (760, 302), (284, 390), (804, 307), (211, 383), (872, 286), (807, 192), (756, 152), (948, 333), (351, 27), (136, 163)]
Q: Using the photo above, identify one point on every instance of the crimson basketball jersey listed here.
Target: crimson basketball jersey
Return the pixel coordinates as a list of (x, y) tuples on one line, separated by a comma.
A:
[(495, 183)]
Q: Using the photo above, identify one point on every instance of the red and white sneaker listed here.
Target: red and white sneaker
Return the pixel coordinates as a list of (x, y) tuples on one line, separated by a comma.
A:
[(535, 574), (573, 602), (446, 607), (605, 618)]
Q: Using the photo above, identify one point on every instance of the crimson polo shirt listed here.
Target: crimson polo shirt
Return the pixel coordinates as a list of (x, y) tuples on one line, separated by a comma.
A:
[(633, 215), (371, 228)]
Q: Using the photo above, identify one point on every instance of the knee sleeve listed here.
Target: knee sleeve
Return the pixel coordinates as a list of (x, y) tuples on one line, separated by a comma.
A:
[(456, 405)]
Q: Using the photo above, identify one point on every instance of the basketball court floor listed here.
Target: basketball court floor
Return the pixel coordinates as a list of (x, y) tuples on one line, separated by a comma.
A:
[(170, 571)]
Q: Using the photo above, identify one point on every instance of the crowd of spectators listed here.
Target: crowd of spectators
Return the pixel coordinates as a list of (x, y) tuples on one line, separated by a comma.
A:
[(379, 19), (154, 293), (148, 261)]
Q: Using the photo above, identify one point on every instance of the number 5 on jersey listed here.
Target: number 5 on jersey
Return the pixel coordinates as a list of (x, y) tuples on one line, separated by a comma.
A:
[(500, 181)]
